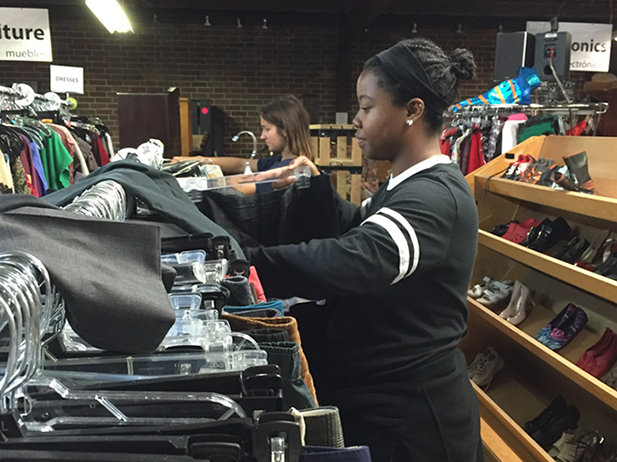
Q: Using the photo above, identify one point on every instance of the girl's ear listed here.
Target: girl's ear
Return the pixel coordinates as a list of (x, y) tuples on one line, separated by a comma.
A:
[(415, 108)]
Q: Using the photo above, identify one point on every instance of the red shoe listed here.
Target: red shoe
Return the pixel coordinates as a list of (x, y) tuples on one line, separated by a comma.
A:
[(604, 357), (517, 232), (588, 355)]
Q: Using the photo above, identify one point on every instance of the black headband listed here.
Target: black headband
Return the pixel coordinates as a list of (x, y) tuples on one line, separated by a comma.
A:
[(400, 64)]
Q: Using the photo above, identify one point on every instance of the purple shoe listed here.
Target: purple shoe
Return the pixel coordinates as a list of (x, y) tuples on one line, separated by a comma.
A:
[(544, 334), (562, 335)]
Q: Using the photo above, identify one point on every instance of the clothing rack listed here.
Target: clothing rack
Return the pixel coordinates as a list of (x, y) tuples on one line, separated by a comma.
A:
[(530, 109), (106, 199), (38, 411), (39, 103)]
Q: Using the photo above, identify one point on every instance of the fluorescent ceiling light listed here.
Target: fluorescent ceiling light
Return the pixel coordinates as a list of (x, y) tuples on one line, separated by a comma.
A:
[(110, 13)]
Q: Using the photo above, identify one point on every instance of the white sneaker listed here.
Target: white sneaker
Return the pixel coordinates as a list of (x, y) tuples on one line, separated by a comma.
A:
[(472, 369), (487, 367)]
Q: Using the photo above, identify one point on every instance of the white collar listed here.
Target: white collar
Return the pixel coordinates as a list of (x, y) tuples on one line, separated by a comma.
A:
[(425, 164)]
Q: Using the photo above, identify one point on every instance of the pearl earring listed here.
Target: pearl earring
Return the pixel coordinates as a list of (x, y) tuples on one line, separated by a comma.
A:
[(409, 122)]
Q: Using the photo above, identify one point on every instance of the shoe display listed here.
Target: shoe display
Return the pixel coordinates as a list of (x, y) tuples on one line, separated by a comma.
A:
[(517, 168), (487, 367), (564, 449), (534, 232), (563, 328), (572, 250), (557, 406), (473, 367), (577, 445), (578, 167), (550, 234), (499, 291), (548, 434), (517, 232), (477, 290), (589, 255), (516, 312), (599, 358)]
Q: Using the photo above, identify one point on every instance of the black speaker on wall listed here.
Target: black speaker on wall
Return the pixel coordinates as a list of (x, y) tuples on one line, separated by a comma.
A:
[(513, 51), (557, 45), (209, 121)]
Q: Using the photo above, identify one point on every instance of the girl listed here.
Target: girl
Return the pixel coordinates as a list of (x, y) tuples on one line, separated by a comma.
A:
[(396, 281)]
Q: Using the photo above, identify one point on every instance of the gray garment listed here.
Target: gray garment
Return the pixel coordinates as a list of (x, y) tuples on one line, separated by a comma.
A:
[(86, 150), (158, 190), (287, 356), (108, 273)]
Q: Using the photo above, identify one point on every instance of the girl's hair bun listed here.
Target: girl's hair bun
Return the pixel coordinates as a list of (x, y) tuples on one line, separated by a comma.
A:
[(463, 65)]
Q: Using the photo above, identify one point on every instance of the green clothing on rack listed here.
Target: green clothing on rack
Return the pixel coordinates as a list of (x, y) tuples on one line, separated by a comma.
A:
[(56, 160)]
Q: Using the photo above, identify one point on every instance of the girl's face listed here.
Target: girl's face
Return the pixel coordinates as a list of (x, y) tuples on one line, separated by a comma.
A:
[(380, 125), (270, 134)]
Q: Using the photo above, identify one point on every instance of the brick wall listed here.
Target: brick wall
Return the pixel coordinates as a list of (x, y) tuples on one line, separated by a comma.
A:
[(239, 69)]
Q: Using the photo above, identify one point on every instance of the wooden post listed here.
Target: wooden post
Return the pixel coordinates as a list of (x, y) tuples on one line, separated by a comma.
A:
[(341, 147), (341, 183), (356, 152), (356, 189), (324, 151), (315, 145)]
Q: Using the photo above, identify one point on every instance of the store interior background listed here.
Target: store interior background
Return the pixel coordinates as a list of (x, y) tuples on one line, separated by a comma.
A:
[(313, 49)]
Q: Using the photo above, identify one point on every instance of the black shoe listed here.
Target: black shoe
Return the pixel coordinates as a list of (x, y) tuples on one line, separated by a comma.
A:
[(534, 232), (550, 235), (557, 406), (549, 433), (571, 251)]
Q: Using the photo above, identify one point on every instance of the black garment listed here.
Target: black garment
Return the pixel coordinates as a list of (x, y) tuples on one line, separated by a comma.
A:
[(435, 405), (159, 190), (108, 273), (400, 280), (289, 216)]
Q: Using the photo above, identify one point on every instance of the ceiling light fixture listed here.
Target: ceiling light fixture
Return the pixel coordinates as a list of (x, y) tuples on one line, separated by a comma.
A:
[(110, 13), (460, 29), (415, 28), (207, 23), (265, 26)]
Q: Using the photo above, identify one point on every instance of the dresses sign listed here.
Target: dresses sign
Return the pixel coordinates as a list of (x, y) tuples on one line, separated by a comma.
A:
[(24, 35), (591, 43), (66, 79)]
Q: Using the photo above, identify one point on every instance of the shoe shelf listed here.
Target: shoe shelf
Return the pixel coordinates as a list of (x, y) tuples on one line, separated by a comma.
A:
[(498, 430), (534, 374), (600, 207), (566, 272), (563, 360)]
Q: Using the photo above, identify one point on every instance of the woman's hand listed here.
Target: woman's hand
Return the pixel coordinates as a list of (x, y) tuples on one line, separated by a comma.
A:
[(286, 173), (175, 160), (303, 160)]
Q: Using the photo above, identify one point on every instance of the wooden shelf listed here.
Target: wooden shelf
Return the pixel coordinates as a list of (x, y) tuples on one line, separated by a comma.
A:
[(578, 277), (563, 362), (604, 208), (503, 439), (331, 127)]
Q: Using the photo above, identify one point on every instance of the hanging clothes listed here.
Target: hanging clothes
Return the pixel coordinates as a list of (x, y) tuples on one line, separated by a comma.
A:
[(56, 160), (475, 157), (6, 181)]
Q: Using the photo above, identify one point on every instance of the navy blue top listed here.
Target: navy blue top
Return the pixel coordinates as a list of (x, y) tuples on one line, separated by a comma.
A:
[(268, 164)]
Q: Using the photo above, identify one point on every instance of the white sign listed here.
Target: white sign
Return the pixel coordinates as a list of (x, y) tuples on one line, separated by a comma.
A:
[(66, 79), (24, 35), (591, 43)]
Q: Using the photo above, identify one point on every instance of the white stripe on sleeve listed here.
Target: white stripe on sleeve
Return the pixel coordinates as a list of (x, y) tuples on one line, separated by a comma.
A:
[(412, 235), (399, 239)]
